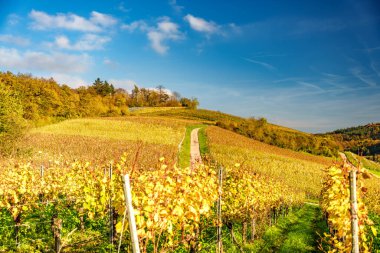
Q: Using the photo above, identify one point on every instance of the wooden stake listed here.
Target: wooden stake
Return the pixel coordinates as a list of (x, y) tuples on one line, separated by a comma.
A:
[(56, 226), (110, 209), (219, 248), (253, 229), (354, 212), (131, 215)]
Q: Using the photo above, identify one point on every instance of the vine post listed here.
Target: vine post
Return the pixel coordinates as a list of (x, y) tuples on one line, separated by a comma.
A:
[(354, 212), (131, 215), (111, 235), (219, 248)]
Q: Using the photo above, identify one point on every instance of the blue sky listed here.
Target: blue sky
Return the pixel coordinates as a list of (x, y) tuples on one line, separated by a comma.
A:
[(309, 65)]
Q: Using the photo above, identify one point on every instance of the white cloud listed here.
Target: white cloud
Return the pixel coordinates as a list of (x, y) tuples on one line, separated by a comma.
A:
[(72, 81), (103, 20), (158, 35), (19, 41), (156, 38), (126, 84), (86, 43), (96, 23), (201, 25), (11, 58)]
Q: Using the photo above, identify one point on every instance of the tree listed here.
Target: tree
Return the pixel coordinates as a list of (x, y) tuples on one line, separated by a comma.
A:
[(12, 124), (162, 94), (190, 103), (103, 88)]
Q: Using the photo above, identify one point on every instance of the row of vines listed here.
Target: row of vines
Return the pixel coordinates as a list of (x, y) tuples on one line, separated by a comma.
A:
[(66, 207), (340, 210)]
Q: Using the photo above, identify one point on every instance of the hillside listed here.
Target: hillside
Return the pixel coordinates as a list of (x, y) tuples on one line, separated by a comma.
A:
[(28, 101), (43, 101), (257, 129), (271, 179), (363, 140)]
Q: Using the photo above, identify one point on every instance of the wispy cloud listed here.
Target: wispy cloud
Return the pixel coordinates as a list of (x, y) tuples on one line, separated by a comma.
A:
[(136, 25), (357, 72), (107, 61), (288, 79), (264, 55), (261, 63), (376, 68), (16, 40), (97, 21), (293, 27), (87, 42), (54, 62), (372, 49), (165, 30), (318, 25), (335, 80), (121, 7), (311, 85), (176, 7), (13, 19)]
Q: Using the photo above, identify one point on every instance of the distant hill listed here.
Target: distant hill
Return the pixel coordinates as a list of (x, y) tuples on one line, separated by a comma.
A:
[(363, 140), (45, 101), (257, 129)]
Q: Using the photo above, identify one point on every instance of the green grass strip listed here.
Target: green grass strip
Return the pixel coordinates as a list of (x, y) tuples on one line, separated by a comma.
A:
[(184, 154), (295, 233)]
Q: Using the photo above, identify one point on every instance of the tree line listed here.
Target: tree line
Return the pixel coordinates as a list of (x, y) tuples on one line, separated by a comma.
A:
[(25, 99), (362, 140)]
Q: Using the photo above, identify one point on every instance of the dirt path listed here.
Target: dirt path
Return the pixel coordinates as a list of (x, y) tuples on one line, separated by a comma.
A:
[(195, 155)]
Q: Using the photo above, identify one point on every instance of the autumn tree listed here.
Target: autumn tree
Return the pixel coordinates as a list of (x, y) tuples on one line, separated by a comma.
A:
[(12, 124)]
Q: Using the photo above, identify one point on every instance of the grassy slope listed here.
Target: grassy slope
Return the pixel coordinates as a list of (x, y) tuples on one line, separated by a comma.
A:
[(298, 232), (374, 167), (103, 139), (116, 129), (255, 129), (205, 116), (236, 140)]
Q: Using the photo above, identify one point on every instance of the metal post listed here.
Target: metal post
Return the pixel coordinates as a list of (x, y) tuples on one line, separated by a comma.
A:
[(131, 215), (354, 212)]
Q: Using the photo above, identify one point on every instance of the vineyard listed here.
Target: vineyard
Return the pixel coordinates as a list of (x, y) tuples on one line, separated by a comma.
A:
[(65, 192)]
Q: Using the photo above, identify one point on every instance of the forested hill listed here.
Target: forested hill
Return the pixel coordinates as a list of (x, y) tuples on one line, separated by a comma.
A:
[(369, 131), (363, 140), (44, 99)]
